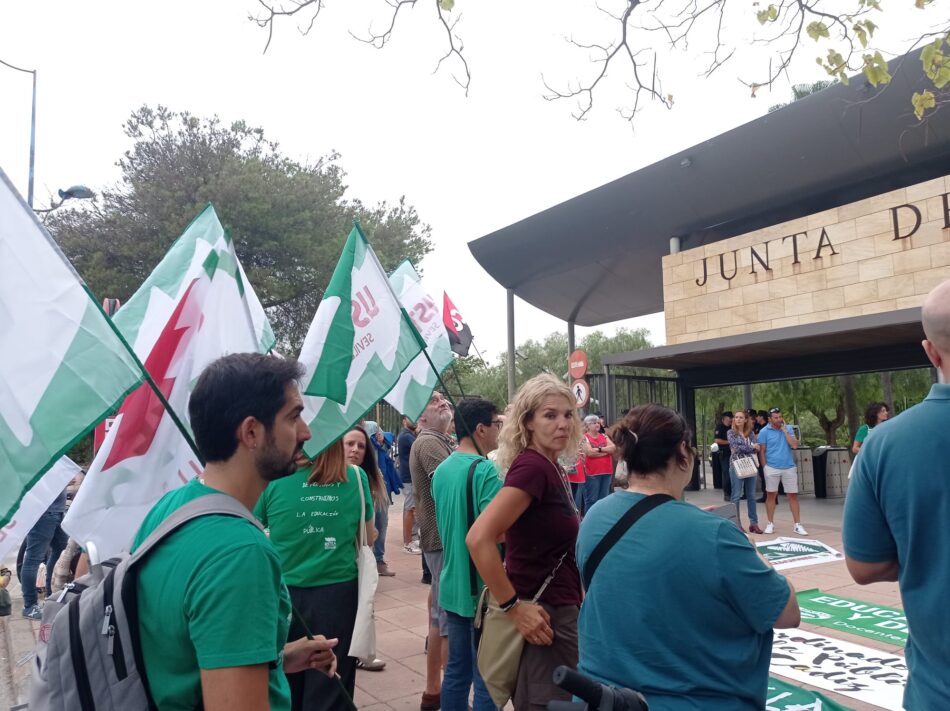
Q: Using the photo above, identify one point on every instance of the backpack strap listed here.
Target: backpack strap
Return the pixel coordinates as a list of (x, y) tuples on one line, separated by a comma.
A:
[(616, 532), (470, 506), (206, 505)]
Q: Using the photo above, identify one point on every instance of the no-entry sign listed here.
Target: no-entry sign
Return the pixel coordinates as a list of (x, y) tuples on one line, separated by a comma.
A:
[(577, 364)]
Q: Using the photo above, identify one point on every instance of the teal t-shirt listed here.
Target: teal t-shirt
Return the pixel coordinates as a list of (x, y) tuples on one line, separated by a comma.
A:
[(861, 434), (210, 596), (450, 492), (314, 526), (681, 608), (898, 502)]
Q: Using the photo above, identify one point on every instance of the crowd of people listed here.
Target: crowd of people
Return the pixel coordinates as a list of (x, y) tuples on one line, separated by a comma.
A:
[(588, 576)]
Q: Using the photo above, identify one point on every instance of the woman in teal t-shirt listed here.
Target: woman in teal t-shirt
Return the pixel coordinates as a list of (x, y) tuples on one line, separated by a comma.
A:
[(682, 607), (313, 517), (874, 414)]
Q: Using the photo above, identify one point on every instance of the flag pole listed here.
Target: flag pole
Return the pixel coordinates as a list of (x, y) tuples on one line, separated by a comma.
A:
[(148, 376), (458, 381)]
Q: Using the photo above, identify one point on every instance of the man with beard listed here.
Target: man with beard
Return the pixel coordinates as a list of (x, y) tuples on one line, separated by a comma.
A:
[(431, 448), (212, 605)]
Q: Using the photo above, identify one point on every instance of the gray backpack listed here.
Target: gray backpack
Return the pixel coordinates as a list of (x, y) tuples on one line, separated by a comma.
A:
[(89, 656)]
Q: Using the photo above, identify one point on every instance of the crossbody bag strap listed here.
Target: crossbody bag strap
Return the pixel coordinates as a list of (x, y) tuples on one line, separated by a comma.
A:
[(470, 510), (616, 532), (361, 523)]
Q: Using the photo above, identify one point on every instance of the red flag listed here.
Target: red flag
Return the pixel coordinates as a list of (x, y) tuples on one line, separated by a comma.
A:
[(460, 335)]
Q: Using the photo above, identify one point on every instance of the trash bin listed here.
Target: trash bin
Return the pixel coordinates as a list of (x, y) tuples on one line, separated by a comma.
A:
[(694, 479), (837, 469), (819, 463), (806, 471)]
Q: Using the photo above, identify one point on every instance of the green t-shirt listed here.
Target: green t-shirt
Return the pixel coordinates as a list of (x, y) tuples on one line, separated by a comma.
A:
[(861, 434), (314, 527), (450, 492), (210, 596)]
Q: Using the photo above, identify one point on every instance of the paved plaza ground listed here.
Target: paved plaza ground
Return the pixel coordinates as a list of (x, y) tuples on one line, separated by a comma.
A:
[(401, 612)]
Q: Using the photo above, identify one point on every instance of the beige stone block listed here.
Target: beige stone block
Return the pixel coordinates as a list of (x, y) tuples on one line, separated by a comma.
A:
[(885, 243), (829, 298), (737, 329), (929, 233), (814, 317), (675, 326), (823, 219), (846, 312), (921, 191), (909, 260), (770, 309), (876, 268), (873, 224), (856, 250), (667, 276), (909, 302), (745, 314), (756, 293), (844, 231), (720, 318), (842, 275), (698, 322), (895, 287), (874, 204), (785, 322), (925, 281), (935, 210), (879, 307), (861, 293), (707, 334), (717, 284), (811, 282), (939, 255), (798, 305), (674, 292), (782, 288), (732, 297)]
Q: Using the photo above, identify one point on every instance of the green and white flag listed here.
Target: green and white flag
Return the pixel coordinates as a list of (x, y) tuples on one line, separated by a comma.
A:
[(360, 342), (411, 394), (62, 367)]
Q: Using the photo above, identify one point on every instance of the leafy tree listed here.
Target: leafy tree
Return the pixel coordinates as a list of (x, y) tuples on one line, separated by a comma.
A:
[(289, 219), (842, 32)]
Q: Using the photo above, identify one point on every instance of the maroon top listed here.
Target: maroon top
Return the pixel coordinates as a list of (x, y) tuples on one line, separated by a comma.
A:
[(541, 535)]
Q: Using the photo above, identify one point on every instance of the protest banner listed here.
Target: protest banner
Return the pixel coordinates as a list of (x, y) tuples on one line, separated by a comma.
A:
[(787, 697), (886, 624), (785, 553), (858, 672)]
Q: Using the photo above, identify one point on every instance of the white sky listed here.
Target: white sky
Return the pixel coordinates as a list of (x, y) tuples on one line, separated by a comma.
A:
[(469, 165)]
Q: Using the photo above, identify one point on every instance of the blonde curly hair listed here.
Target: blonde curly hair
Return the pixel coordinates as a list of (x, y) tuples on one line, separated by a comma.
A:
[(515, 437)]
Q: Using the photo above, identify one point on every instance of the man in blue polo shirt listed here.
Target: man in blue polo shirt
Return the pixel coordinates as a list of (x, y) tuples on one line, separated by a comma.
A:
[(898, 501), (775, 456)]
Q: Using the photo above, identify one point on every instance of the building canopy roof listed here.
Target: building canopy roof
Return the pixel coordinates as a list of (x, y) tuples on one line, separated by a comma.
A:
[(834, 147)]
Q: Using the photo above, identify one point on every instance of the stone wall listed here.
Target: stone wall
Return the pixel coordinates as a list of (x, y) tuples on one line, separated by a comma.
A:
[(875, 255)]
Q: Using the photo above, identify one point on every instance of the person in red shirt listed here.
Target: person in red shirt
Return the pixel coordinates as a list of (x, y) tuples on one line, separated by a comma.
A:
[(597, 453)]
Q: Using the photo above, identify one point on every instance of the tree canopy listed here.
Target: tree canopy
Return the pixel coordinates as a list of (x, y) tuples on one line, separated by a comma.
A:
[(289, 220), (636, 38)]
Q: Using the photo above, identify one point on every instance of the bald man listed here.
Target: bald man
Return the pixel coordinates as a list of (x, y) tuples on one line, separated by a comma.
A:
[(897, 510)]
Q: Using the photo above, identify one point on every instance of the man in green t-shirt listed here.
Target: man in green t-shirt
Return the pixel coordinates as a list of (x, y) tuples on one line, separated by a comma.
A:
[(213, 608), (477, 423)]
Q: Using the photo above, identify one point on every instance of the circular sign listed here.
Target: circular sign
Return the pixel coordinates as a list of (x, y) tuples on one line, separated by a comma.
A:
[(577, 364), (581, 391)]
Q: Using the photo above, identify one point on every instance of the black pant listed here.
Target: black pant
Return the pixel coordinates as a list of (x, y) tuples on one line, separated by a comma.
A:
[(726, 479), (329, 610)]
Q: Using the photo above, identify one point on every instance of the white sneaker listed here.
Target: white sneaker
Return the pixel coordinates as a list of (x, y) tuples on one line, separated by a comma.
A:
[(769, 529), (800, 530), (412, 548)]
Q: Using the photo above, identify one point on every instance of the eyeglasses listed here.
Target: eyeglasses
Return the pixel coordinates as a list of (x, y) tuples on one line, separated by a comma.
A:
[(775, 410), (497, 423)]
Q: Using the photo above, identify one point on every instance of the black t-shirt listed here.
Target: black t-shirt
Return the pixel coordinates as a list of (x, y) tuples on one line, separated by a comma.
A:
[(722, 432)]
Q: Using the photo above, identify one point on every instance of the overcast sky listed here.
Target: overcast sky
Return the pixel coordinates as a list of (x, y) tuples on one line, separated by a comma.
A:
[(469, 165)]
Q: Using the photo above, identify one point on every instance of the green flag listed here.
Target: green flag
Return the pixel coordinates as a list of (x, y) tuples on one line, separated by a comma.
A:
[(360, 342), (62, 367)]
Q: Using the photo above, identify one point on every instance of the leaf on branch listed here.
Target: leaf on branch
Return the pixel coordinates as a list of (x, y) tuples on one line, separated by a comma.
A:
[(875, 69), (935, 63), (922, 101), (447, 5), (769, 14), (864, 30), (836, 66), (873, 4), (817, 30)]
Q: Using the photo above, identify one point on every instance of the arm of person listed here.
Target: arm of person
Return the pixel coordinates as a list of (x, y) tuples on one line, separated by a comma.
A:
[(762, 454), (610, 447), (585, 449), (532, 620), (792, 442), (737, 444), (317, 653), (869, 547), (242, 688), (855, 447)]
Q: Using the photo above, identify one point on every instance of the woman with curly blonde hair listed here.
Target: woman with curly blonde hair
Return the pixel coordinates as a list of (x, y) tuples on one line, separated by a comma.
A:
[(535, 513)]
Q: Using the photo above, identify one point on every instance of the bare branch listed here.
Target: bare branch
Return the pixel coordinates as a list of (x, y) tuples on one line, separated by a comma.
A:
[(457, 51), (273, 10)]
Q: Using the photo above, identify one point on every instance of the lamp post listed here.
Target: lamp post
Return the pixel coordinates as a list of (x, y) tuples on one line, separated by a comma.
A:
[(29, 193)]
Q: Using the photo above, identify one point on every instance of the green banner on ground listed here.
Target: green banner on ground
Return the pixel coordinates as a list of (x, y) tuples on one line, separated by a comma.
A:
[(787, 697), (885, 624)]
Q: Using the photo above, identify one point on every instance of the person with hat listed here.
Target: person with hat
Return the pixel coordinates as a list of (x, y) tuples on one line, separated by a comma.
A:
[(776, 443)]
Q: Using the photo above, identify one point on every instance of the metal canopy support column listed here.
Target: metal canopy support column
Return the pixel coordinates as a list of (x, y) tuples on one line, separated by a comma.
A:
[(608, 403), (511, 344), (570, 338), (747, 396)]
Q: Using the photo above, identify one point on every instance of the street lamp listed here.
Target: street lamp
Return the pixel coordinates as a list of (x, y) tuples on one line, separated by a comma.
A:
[(76, 192), (29, 194)]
